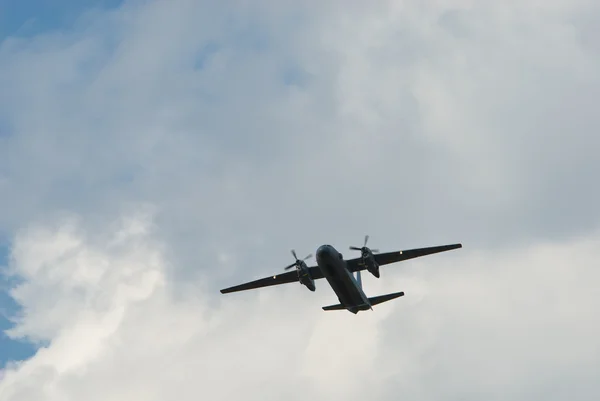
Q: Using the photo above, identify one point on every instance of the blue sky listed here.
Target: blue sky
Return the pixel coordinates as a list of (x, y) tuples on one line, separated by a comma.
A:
[(29, 18), (9, 349)]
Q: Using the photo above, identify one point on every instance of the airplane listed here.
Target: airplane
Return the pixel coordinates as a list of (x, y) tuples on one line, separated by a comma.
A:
[(339, 274)]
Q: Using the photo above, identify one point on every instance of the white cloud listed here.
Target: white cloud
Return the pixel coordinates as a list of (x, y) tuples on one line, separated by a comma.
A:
[(279, 126), (129, 331), (473, 325)]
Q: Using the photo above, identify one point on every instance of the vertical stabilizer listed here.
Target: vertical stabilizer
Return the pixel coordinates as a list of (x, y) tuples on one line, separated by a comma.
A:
[(359, 279)]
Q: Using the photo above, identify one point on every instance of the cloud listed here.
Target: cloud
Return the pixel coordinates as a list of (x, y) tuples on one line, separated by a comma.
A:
[(397, 109), (474, 325), (246, 133), (113, 319)]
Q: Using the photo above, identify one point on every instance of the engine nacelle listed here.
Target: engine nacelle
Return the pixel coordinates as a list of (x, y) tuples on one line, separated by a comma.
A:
[(305, 278), (303, 271), (370, 263), (373, 268), (367, 259)]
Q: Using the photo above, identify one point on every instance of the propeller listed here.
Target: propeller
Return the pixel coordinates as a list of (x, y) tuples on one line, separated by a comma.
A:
[(298, 261), (364, 248)]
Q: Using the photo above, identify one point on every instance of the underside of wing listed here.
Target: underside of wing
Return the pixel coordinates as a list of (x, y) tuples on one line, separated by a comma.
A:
[(399, 256), (277, 279)]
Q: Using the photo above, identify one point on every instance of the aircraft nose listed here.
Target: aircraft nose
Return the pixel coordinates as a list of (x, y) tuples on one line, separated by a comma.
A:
[(323, 252)]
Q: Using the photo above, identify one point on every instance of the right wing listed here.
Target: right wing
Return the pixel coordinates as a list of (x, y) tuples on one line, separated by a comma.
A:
[(284, 278), (382, 259), (399, 256)]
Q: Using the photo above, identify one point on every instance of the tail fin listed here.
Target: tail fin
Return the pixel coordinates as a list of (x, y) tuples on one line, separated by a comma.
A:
[(359, 279)]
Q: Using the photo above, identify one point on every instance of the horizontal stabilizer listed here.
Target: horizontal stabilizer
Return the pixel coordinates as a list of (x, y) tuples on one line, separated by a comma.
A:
[(334, 307), (383, 298), (372, 302)]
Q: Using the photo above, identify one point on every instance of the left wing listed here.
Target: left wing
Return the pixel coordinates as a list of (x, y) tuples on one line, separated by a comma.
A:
[(355, 265), (283, 278)]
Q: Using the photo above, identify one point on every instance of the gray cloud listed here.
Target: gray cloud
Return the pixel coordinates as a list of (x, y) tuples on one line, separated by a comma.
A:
[(520, 324), (414, 108), (254, 131)]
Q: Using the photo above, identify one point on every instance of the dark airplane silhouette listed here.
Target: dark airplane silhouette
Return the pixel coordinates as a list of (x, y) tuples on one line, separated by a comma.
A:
[(339, 273)]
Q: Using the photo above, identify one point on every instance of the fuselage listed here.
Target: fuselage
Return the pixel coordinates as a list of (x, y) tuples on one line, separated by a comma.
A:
[(341, 280)]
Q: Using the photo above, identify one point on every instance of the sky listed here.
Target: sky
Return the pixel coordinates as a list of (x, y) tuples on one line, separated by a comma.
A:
[(28, 18), (10, 349), (32, 17), (152, 153)]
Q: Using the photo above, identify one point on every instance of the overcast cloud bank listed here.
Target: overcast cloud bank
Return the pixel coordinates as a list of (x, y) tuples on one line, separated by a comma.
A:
[(156, 153)]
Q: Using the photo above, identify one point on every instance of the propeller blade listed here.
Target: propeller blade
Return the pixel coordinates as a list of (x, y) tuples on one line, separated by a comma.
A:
[(298, 261), (364, 247)]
